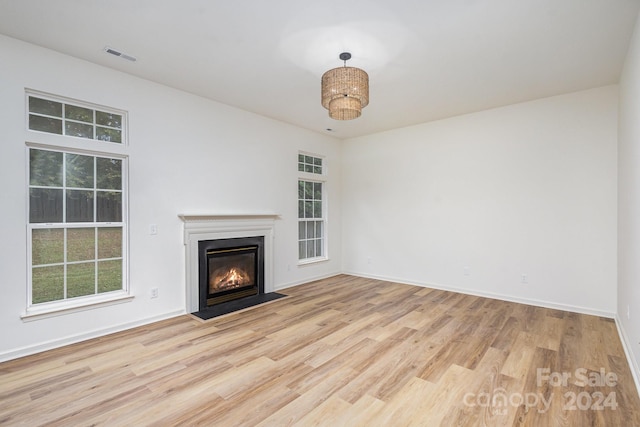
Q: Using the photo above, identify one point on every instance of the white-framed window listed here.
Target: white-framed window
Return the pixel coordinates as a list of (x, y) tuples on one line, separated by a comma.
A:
[(77, 208), (61, 117), (311, 208)]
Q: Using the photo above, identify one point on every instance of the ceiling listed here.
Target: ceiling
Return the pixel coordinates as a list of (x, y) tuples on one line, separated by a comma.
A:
[(426, 59)]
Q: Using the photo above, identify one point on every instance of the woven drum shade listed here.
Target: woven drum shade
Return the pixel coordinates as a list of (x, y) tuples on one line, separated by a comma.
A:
[(345, 108), (345, 92)]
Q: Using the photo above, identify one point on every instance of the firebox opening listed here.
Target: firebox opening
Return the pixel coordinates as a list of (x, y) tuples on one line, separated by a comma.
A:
[(231, 271)]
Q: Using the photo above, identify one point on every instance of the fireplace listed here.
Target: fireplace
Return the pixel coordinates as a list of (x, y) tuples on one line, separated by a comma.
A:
[(226, 227), (230, 269)]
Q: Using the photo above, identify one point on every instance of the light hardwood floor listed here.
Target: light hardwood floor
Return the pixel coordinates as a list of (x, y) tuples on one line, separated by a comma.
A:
[(343, 351)]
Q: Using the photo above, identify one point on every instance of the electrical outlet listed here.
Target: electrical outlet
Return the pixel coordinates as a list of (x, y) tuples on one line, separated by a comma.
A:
[(465, 271), (153, 229), (154, 292), (369, 260), (524, 278)]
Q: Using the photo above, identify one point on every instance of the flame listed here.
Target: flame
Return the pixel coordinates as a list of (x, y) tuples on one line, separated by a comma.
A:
[(234, 276), (222, 279)]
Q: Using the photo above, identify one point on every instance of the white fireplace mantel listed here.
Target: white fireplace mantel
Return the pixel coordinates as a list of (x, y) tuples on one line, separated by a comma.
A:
[(198, 227)]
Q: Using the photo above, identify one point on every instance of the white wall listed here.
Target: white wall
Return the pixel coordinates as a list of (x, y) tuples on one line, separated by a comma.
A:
[(187, 155), (629, 202), (525, 189)]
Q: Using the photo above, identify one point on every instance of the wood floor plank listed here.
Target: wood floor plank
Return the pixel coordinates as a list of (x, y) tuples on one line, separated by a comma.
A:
[(312, 395), (362, 413), (339, 351), (326, 414), (518, 363)]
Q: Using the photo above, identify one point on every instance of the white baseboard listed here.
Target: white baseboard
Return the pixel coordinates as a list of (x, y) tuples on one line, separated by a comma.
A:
[(50, 345), (282, 286), (626, 345), (502, 297)]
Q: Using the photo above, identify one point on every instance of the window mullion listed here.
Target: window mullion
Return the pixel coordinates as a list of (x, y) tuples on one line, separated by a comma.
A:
[(64, 188), (95, 260), (95, 217), (64, 216), (65, 263), (95, 192)]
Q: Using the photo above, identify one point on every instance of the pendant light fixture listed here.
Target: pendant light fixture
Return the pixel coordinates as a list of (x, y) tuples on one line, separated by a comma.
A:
[(345, 91)]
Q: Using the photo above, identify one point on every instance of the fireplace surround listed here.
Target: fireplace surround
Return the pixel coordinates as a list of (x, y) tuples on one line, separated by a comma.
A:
[(212, 227)]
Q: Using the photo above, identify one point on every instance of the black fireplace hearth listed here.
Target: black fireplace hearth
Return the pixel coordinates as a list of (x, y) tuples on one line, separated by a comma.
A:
[(236, 305)]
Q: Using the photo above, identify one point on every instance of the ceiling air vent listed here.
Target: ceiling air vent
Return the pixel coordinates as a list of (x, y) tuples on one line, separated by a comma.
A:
[(120, 54)]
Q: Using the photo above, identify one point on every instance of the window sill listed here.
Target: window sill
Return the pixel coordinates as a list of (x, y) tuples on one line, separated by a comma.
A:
[(312, 261), (60, 308)]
